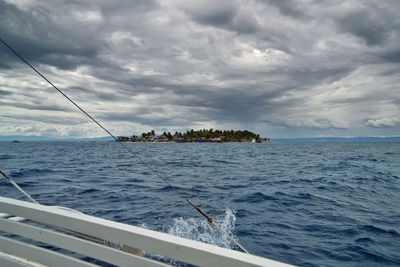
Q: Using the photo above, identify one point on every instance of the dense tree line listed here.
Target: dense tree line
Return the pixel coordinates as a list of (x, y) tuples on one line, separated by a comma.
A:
[(208, 134)]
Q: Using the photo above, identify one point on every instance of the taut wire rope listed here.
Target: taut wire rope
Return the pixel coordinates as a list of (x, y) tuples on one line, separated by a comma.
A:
[(180, 194), (19, 188)]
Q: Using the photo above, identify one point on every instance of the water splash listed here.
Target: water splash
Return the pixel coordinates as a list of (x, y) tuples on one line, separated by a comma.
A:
[(201, 230)]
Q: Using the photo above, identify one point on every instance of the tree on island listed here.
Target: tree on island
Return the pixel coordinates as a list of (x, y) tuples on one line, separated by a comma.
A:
[(209, 135)]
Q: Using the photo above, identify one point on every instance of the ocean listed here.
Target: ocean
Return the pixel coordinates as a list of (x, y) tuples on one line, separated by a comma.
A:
[(307, 204)]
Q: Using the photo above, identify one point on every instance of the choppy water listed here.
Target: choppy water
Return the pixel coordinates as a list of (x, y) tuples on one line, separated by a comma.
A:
[(309, 204)]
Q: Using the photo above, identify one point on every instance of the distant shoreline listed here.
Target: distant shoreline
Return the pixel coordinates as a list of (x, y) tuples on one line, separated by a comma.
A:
[(360, 139), (197, 136), (394, 139)]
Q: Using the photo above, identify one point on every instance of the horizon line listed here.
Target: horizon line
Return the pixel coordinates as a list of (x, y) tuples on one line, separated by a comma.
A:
[(44, 138)]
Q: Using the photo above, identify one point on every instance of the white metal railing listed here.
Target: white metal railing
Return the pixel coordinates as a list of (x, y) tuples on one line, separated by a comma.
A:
[(89, 236)]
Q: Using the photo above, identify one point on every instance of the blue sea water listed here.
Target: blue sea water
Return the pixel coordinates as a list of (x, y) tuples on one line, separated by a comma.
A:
[(308, 204)]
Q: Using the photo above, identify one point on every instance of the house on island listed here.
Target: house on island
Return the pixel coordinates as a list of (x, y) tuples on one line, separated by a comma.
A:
[(217, 139), (161, 139)]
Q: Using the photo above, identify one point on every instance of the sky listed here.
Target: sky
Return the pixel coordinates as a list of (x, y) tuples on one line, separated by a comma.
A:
[(281, 68)]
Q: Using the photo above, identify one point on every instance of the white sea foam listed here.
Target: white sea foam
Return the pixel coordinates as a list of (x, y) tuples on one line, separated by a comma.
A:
[(200, 229)]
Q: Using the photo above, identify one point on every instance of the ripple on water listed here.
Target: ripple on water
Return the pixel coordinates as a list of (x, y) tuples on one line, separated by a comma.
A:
[(325, 204)]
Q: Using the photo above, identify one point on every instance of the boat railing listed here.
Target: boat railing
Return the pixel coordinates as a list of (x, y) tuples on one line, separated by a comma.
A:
[(39, 235)]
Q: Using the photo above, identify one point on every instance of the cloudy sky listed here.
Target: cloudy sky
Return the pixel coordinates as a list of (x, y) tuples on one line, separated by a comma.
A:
[(279, 68)]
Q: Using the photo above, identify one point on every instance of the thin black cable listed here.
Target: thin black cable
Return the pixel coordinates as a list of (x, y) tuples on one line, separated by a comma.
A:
[(88, 115), (210, 220), (11, 181)]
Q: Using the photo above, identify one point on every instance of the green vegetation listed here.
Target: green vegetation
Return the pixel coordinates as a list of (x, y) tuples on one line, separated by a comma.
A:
[(229, 135), (203, 135)]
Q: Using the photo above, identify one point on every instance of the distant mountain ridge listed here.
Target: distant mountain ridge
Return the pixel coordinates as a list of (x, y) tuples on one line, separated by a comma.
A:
[(338, 139), (45, 138)]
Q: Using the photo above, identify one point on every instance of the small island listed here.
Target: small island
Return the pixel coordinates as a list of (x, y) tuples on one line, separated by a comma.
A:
[(200, 136)]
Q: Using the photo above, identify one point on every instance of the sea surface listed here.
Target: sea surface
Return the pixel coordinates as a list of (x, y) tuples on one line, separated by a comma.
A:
[(308, 204)]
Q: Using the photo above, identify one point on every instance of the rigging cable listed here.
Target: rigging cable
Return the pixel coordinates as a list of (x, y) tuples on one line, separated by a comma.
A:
[(210, 220), (77, 234), (19, 188)]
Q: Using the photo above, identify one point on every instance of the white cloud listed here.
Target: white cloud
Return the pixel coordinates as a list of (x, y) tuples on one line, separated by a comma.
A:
[(388, 122), (92, 16), (250, 57), (303, 68)]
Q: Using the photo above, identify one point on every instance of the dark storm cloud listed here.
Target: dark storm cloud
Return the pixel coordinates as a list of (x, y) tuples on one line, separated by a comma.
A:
[(148, 120), (222, 14), (213, 13), (391, 55), (85, 92), (226, 105), (35, 106), (289, 8), (48, 119), (299, 64), (369, 27), (5, 93), (42, 38)]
